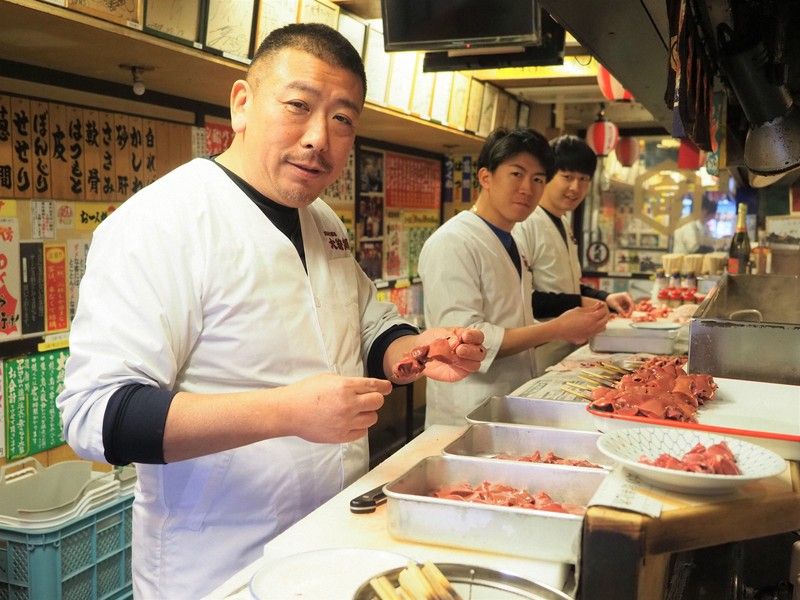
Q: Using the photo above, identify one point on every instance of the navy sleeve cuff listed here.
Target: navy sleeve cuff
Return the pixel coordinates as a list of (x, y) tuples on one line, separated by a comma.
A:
[(133, 424), (547, 305), (379, 346), (590, 292)]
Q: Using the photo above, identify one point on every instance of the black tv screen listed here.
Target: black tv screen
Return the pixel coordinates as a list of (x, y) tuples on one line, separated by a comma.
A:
[(549, 52), (459, 24)]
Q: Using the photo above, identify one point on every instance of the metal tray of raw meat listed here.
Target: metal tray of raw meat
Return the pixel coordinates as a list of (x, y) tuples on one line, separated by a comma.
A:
[(416, 516), (513, 410), (488, 440)]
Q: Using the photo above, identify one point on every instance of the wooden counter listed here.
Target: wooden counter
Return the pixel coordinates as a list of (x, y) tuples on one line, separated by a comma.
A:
[(625, 555)]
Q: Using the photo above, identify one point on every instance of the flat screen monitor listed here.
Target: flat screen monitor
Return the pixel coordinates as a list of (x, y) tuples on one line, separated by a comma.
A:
[(549, 52), (459, 24)]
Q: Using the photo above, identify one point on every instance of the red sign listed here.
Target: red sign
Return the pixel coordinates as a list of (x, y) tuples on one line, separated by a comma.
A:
[(218, 138), (412, 182), (55, 286)]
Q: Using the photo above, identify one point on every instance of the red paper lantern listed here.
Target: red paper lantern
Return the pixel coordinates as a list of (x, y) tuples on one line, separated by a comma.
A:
[(602, 136), (690, 156), (627, 151), (610, 87)]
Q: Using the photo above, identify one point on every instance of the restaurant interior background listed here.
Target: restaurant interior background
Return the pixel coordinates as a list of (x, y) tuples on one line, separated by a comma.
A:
[(81, 130)]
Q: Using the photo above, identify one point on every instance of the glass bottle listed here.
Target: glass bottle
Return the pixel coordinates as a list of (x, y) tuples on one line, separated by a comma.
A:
[(739, 253)]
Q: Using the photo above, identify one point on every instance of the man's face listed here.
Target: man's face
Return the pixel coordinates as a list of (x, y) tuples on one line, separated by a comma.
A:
[(565, 191), (298, 122), (513, 190)]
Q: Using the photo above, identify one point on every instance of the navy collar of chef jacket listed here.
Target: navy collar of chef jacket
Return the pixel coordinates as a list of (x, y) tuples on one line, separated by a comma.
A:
[(558, 223), (285, 218), (508, 243)]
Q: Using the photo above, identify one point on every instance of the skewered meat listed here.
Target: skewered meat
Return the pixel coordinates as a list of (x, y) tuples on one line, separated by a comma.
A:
[(504, 495), (717, 459), (413, 363), (659, 389)]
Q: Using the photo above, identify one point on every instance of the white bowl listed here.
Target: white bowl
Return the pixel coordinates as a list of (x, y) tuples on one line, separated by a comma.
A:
[(627, 446)]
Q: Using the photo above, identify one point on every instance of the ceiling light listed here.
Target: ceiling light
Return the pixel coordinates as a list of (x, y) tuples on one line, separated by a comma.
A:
[(136, 75)]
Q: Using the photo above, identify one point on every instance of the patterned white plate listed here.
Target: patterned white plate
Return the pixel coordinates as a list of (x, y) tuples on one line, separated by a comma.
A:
[(627, 446)]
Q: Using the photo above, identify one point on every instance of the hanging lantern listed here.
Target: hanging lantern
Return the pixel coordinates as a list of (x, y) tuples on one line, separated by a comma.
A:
[(602, 135), (610, 87), (627, 151), (690, 156)]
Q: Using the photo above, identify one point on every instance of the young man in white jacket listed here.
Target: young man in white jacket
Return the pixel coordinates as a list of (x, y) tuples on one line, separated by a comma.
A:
[(227, 342), (473, 275), (547, 236)]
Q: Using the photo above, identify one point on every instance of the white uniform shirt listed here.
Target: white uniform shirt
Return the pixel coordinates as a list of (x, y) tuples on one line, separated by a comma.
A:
[(688, 238), (189, 286), (469, 280), (556, 267)]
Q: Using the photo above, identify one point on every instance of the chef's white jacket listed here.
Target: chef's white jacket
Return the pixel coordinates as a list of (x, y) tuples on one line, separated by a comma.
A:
[(688, 238), (556, 267), (469, 280), (189, 286)]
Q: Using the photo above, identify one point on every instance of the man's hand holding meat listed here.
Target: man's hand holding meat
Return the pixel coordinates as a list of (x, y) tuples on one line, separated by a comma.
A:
[(441, 353)]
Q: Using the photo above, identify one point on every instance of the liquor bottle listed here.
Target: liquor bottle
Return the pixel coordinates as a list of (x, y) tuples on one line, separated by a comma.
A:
[(739, 253)]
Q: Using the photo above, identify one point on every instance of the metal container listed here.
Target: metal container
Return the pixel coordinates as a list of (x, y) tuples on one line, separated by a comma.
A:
[(414, 515), (486, 440), (619, 336), (471, 581), (748, 327), (513, 410)]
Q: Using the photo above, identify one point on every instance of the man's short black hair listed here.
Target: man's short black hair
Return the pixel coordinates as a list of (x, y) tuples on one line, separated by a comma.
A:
[(320, 41), (501, 144), (573, 154)]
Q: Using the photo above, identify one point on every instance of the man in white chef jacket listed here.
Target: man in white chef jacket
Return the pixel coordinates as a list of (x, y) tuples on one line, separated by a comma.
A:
[(474, 275), (547, 238), (695, 237), (224, 329)]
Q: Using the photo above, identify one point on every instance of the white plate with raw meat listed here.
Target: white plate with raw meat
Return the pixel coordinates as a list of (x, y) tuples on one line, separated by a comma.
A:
[(712, 461)]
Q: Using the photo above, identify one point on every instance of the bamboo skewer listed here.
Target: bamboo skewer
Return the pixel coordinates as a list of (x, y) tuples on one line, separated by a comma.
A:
[(600, 376), (615, 368), (575, 392), (581, 386), (595, 381)]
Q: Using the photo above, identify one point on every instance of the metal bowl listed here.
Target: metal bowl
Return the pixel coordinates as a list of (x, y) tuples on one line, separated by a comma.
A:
[(477, 582)]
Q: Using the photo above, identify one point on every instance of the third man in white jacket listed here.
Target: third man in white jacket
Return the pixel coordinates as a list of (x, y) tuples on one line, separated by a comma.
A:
[(474, 275)]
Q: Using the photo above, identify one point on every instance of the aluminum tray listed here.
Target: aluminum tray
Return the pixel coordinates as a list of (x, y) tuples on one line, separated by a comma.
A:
[(415, 516), (486, 440), (513, 410), (619, 336)]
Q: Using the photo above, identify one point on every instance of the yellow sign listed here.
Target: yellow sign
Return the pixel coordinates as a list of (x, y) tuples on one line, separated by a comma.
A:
[(8, 208)]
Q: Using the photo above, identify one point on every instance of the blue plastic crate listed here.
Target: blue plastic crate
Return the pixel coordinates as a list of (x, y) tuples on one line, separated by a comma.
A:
[(87, 558)]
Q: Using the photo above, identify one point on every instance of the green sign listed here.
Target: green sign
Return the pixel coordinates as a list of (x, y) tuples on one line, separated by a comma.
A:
[(31, 385)]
